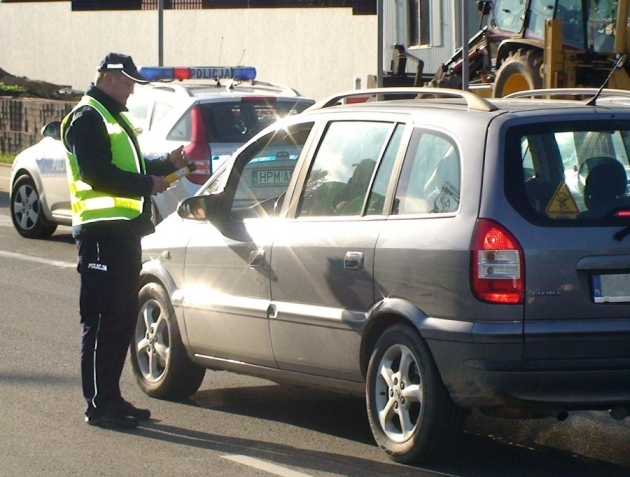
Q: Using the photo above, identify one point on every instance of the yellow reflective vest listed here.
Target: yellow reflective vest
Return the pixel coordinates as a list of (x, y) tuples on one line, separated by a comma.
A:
[(89, 205)]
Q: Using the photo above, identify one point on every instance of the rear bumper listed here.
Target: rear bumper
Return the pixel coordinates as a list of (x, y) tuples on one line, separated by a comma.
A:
[(495, 370)]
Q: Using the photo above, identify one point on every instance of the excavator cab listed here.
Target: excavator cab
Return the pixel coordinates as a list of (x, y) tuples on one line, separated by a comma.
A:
[(588, 25), (518, 32)]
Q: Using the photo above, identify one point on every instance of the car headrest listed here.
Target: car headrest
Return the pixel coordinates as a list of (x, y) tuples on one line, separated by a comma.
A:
[(604, 180)]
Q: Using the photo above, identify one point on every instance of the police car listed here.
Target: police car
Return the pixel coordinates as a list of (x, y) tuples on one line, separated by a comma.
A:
[(214, 112)]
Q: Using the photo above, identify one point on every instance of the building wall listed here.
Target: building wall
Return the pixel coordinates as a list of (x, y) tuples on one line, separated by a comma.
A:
[(22, 119), (318, 51)]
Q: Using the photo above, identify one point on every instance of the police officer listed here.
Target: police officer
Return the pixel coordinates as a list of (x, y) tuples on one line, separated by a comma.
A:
[(110, 191)]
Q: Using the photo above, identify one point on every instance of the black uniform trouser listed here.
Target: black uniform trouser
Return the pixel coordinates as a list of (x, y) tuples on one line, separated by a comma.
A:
[(110, 270)]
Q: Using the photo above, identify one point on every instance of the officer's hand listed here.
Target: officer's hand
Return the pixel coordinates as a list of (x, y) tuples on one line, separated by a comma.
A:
[(159, 185), (178, 157)]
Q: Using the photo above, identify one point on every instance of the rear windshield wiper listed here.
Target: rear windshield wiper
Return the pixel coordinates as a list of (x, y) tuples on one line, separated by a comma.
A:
[(619, 236)]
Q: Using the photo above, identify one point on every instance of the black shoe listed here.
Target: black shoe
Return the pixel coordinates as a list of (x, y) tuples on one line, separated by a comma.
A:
[(128, 409), (112, 420)]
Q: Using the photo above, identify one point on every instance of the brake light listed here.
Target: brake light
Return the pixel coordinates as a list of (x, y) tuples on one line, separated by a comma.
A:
[(199, 150), (497, 265), (356, 99)]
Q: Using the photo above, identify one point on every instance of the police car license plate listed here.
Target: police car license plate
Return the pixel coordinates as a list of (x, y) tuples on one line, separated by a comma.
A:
[(611, 288), (271, 177)]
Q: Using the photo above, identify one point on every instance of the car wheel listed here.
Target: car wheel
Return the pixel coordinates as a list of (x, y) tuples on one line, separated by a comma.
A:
[(158, 357), (412, 417), (26, 210)]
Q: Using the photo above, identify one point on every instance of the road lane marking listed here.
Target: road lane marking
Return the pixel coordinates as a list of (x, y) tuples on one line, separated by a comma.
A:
[(265, 466), (30, 258)]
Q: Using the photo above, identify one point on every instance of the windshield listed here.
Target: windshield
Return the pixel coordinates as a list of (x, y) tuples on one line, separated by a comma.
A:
[(508, 15)]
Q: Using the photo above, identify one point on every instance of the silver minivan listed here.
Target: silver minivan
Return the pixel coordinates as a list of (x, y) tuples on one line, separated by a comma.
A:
[(436, 254)]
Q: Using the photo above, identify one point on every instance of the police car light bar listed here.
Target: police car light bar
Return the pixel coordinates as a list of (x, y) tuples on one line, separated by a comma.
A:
[(157, 73)]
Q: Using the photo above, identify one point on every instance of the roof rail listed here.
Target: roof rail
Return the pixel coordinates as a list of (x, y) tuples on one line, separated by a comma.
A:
[(535, 93), (473, 101)]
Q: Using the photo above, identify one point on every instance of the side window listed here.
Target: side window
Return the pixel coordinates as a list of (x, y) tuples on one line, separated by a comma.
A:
[(160, 111), (539, 12), (601, 21), (137, 113), (430, 178), (570, 12), (509, 14), (376, 200), (182, 130), (263, 171), (343, 168)]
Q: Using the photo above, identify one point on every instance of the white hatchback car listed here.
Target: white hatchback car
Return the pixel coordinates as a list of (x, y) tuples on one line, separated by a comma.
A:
[(212, 117)]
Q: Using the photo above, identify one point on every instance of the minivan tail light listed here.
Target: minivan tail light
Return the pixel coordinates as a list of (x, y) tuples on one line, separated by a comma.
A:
[(497, 265), (199, 150)]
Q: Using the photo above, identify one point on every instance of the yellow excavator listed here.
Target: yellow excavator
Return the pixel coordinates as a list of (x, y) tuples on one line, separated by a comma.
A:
[(534, 44)]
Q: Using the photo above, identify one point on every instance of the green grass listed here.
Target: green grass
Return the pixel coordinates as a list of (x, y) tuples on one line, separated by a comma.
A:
[(11, 90), (6, 158)]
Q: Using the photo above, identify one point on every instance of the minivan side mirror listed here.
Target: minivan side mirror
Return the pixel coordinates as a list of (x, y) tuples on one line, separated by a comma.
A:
[(52, 129), (202, 207)]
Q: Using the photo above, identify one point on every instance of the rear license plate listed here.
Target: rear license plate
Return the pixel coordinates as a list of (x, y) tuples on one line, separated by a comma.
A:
[(611, 288), (271, 177)]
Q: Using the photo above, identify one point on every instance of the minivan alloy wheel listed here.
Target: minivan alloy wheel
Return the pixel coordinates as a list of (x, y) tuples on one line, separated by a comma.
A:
[(411, 414), (158, 357), (152, 341), (398, 393)]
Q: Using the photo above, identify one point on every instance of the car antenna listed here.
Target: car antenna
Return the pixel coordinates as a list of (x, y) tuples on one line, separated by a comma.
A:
[(221, 51), (218, 80), (593, 100), (240, 62)]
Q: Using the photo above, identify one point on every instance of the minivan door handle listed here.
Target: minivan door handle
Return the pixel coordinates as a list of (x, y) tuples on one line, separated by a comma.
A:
[(257, 259), (353, 261)]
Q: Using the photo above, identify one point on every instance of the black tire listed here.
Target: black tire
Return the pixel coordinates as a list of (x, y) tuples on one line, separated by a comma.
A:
[(413, 390), (520, 71), (158, 357), (26, 210)]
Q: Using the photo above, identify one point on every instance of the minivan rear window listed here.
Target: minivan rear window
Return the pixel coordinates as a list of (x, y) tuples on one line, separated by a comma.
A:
[(569, 173)]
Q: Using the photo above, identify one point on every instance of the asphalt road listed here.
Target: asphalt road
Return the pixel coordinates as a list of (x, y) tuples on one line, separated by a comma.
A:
[(234, 425)]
